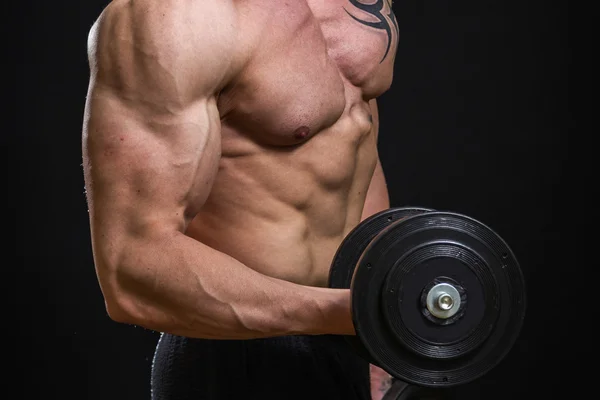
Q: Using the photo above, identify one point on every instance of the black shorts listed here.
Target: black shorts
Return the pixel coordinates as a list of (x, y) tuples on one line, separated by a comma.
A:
[(283, 368)]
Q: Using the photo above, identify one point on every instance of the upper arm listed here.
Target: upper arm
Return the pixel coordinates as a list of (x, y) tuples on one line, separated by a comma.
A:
[(151, 134), (377, 195)]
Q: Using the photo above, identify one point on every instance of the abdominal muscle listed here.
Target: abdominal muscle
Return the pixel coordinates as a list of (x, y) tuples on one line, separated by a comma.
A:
[(283, 211)]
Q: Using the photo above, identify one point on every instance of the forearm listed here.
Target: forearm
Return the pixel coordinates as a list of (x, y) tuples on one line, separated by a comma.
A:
[(175, 284)]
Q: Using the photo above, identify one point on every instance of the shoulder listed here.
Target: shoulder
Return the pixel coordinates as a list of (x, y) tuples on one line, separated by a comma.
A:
[(170, 35)]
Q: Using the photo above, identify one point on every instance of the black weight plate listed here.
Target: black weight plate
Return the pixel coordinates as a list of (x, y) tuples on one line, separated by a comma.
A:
[(351, 248), (472, 254), (440, 260), (355, 242)]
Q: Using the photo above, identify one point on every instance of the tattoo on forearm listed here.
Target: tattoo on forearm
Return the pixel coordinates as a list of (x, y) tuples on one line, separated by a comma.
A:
[(376, 10)]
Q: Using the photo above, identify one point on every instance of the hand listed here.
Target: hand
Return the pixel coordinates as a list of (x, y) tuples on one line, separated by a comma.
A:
[(333, 314), (339, 317)]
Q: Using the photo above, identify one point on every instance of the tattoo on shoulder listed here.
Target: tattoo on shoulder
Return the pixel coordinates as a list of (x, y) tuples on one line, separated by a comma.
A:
[(388, 24)]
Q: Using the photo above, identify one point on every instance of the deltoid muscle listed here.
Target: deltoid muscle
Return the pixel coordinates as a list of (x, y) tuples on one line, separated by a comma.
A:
[(376, 10)]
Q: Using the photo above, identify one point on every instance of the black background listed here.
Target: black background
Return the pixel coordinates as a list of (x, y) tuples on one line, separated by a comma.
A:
[(477, 121)]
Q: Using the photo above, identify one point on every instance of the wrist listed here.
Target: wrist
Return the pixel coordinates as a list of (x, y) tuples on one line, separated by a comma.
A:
[(331, 312)]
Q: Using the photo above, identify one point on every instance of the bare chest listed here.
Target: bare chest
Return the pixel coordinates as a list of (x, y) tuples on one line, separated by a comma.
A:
[(310, 63)]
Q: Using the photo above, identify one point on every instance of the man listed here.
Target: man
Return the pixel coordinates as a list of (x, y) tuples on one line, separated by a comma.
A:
[(229, 146)]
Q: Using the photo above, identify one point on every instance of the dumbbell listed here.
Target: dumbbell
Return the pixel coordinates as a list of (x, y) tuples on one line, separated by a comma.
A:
[(438, 298)]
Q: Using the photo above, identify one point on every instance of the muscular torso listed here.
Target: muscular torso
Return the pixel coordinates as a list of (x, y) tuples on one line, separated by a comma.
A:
[(298, 144)]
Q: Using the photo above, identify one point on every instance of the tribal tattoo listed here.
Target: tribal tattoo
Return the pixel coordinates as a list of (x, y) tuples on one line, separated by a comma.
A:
[(376, 10)]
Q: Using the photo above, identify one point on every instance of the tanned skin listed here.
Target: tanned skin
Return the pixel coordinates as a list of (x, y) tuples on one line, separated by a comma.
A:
[(229, 146)]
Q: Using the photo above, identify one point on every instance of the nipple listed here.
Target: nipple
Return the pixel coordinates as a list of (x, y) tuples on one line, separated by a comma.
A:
[(302, 132)]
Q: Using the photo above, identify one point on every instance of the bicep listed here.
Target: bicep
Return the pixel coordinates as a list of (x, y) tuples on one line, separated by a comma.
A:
[(146, 171)]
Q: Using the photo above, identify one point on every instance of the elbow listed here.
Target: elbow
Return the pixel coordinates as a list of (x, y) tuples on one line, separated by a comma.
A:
[(119, 300), (131, 310), (118, 312), (129, 303), (128, 282), (120, 284), (114, 294)]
